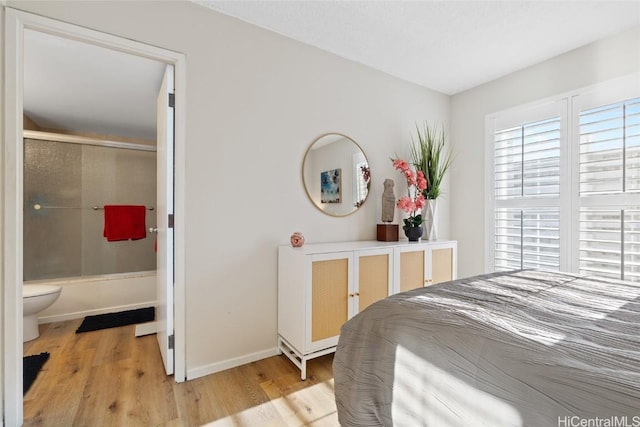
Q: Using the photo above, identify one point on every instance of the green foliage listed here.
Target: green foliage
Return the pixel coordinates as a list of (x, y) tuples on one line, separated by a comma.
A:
[(428, 155), (412, 222)]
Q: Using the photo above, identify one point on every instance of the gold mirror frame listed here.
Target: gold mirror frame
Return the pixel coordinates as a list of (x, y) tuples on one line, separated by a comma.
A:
[(336, 174)]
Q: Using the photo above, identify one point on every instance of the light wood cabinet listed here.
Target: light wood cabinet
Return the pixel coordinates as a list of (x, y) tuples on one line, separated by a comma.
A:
[(321, 286), (424, 264), (373, 278)]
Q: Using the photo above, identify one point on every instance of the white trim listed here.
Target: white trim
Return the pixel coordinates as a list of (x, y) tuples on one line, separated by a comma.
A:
[(146, 328), (85, 140), (179, 229), (212, 368), (489, 206), (566, 187), (574, 168), (15, 23), (89, 279), (12, 225), (84, 313)]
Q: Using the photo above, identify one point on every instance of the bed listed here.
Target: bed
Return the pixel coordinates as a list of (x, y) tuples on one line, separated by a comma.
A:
[(520, 348)]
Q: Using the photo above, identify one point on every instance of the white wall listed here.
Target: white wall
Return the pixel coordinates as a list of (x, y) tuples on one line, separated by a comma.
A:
[(255, 101), (597, 62)]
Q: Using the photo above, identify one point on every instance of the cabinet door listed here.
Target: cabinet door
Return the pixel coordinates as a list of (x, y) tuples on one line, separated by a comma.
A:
[(442, 262), (330, 284), (374, 278), (412, 267)]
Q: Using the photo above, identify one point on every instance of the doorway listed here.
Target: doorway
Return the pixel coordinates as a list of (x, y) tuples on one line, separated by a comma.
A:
[(16, 24)]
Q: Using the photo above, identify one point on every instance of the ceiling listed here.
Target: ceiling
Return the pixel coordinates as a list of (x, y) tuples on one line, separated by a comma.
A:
[(79, 87), (448, 46)]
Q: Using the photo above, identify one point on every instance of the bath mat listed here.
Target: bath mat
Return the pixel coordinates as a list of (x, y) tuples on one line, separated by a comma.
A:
[(113, 320), (31, 366)]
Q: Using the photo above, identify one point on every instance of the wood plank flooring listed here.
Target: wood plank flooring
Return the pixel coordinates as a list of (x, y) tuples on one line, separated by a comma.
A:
[(112, 378)]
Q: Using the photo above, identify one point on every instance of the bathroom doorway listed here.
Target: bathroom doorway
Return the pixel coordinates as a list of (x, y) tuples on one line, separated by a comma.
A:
[(21, 26)]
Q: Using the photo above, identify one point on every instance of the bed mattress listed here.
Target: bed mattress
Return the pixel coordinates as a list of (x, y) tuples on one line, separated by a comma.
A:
[(520, 348)]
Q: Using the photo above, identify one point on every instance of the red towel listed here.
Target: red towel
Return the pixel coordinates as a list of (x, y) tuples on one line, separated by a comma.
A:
[(122, 222)]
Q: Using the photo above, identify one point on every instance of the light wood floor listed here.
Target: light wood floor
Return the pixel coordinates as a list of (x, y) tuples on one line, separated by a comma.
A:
[(112, 378)]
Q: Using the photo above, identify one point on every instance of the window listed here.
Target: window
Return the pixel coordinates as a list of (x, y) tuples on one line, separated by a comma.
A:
[(609, 239), (362, 177), (526, 190), (564, 183), (527, 160)]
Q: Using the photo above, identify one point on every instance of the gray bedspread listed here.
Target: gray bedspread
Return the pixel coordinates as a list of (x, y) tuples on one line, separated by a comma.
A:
[(522, 348)]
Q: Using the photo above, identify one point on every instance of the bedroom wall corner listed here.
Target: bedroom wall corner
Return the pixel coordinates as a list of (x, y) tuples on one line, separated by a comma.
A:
[(603, 60)]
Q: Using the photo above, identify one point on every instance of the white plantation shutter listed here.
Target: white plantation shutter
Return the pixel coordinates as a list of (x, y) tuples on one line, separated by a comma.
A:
[(527, 160), (631, 247), (609, 190), (508, 239), (600, 242), (632, 145), (526, 171), (541, 238), (610, 148), (563, 183), (527, 238)]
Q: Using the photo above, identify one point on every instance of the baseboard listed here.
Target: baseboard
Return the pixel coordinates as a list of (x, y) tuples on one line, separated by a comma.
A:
[(230, 363), (146, 328), (82, 314)]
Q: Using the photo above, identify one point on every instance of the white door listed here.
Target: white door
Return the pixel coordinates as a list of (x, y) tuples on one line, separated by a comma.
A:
[(164, 308)]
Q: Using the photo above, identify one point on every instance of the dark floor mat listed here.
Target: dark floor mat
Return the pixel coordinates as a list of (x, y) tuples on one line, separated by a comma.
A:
[(113, 320), (31, 366)]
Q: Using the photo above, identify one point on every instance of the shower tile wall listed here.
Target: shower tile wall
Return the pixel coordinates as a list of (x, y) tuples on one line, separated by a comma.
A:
[(64, 238)]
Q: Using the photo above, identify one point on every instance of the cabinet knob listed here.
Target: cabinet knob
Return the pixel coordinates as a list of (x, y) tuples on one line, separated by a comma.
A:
[(357, 294), (351, 295)]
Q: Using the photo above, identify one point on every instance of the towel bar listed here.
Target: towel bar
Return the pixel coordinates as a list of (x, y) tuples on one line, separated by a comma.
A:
[(38, 206)]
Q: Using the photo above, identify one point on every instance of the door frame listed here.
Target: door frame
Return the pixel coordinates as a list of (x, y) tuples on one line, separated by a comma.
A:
[(12, 181)]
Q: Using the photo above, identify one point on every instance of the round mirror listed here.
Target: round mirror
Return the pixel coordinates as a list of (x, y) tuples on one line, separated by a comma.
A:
[(336, 174)]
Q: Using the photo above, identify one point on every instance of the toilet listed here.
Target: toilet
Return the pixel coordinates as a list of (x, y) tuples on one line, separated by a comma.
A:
[(35, 298)]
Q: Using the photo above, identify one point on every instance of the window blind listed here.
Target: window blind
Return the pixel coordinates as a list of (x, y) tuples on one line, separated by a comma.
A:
[(610, 243), (526, 170), (631, 247), (527, 238), (609, 159), (610, 148), (527, 160)]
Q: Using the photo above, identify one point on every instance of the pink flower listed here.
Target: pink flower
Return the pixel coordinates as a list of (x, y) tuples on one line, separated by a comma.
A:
[(412, 204), (406, 204), (421, 181), (401, 165), (410, 176)]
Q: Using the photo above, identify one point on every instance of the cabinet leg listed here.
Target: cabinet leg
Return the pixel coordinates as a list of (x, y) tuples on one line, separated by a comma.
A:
[(303, 369)]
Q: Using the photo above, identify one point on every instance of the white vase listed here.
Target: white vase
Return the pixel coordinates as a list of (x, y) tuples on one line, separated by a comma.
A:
[(430, 219)]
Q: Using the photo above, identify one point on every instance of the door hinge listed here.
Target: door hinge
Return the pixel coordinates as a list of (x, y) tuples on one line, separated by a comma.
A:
[(170, 221), (172, 100), (171, 343)]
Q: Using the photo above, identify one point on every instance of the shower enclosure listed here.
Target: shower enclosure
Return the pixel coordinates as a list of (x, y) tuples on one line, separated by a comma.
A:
[(67, 181)]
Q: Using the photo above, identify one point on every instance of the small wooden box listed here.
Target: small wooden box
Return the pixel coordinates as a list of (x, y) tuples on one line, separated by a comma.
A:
[(388, 232)]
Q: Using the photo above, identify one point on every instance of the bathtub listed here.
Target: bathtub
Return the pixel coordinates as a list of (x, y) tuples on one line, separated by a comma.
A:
[(90, 295)]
